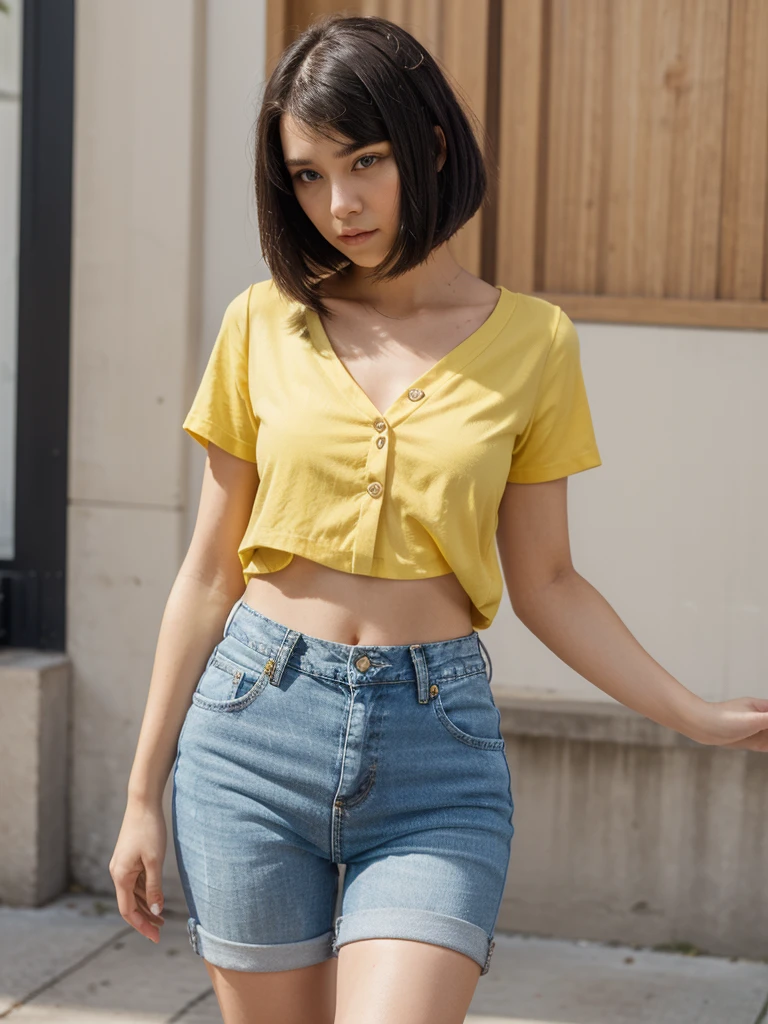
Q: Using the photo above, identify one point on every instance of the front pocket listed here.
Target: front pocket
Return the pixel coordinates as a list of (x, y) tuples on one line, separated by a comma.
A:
[(226, 685), (465, 708)]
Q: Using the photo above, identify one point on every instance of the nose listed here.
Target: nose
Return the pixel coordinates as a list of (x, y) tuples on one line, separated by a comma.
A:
[(344, 201)]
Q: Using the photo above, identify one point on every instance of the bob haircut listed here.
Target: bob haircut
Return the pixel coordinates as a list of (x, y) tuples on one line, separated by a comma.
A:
[(366, 79)]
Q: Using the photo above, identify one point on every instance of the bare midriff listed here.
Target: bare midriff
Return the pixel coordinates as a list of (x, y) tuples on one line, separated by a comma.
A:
[(354, 609)]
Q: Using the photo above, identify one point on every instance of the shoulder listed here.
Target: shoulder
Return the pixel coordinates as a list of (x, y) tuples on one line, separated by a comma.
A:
[(534, 311), (260, 303), (263, 302), (545, 324)]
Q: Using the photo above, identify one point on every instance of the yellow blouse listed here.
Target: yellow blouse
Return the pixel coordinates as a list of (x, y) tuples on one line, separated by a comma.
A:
[(411, 492)]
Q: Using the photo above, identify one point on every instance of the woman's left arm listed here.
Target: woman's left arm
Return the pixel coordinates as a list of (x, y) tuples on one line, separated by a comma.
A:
[(577, 624)]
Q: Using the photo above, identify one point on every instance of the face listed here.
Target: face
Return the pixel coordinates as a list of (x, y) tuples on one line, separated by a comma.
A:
[(345, 191)]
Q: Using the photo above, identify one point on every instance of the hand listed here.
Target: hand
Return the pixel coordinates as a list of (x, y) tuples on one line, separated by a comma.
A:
[(739, 724), (136, 868)]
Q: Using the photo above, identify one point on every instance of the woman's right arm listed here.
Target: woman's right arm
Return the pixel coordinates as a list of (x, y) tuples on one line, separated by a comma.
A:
[(208, 583)]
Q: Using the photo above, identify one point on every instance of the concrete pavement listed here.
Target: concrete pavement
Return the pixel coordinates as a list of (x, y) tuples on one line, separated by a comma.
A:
[(75, 961)]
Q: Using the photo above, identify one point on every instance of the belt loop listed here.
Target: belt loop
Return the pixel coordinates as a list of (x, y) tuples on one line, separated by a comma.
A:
[(231, 615), (422, 672), (490, 663), (283, 654)]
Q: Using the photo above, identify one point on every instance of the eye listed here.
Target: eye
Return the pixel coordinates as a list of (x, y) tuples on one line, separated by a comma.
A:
[(368, 156)]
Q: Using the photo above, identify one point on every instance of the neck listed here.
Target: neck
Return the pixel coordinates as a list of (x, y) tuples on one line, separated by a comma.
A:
[(435, 281)]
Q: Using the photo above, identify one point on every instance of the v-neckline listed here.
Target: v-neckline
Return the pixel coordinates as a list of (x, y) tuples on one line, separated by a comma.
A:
[(446, 366)]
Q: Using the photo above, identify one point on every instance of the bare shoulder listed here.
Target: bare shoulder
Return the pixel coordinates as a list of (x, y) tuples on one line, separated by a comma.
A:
[(481, 291)]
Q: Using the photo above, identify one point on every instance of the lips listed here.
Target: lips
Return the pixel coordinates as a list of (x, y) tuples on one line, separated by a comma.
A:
[(354, 234)]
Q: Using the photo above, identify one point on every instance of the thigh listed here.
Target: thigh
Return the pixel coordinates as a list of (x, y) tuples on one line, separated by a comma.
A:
[(260, 890), (397, 981), (301, 996), (427, 847)]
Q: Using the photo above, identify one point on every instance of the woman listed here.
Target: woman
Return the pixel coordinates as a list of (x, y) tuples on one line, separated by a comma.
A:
[(375, 418)]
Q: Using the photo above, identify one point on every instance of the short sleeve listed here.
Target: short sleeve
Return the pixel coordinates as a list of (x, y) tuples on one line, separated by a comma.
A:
[(559, 438), (222, 411)]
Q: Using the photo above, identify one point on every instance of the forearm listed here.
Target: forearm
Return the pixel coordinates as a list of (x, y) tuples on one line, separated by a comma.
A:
[(577, 624), (192, 625)]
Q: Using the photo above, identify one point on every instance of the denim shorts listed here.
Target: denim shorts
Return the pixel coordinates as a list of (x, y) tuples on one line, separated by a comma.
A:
[(298, 754)]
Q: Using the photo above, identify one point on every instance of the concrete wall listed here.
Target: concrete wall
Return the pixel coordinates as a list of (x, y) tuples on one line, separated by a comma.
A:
[(34, 760), (161, 244), (230, 251), (629, 832)]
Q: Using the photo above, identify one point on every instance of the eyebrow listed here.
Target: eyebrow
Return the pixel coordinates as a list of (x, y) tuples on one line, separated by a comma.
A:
[(351, 147)]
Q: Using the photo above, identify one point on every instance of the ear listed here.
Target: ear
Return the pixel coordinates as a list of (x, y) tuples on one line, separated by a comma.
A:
[(443, 147)]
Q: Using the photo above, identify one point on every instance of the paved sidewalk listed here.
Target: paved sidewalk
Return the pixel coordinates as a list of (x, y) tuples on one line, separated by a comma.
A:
[(77, 962)]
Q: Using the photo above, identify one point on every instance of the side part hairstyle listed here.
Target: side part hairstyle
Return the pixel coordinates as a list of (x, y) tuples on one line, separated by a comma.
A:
[(366, 79)]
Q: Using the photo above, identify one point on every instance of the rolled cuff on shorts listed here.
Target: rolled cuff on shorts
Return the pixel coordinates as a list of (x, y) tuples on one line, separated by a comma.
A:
[(244, 956), (421, 925)]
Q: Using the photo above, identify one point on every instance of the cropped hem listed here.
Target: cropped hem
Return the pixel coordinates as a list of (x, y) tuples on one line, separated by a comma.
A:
[(420, 925), (333, 557), (245, 956)]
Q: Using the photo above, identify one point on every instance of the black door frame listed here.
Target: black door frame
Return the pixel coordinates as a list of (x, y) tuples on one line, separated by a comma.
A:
[(33, 583)]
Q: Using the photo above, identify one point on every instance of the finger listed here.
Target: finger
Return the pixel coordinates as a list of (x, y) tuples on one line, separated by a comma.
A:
[(153, 893), (128, 905), (142, 904)]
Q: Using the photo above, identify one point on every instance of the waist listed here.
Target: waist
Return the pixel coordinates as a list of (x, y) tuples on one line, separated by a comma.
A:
[(351, 608), (367, 663)]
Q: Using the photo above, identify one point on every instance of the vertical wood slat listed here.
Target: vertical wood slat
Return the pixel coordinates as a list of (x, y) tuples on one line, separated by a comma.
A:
[(698, 81), (277, 26), (611, 144), (576, 143), (619, 182), (520, 123), (743, 273), (633, 144), (664, 156), (643, 119), (464, 56)]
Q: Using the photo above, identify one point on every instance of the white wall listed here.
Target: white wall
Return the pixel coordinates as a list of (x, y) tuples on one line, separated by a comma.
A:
[(163, 238), (671, 528), (10, 161), (231, 256)]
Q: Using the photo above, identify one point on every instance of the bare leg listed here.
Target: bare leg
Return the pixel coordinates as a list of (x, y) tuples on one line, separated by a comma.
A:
[(303, 996), (400, 981)]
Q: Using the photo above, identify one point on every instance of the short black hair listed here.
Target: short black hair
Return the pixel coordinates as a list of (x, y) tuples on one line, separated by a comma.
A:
[(367, 79)]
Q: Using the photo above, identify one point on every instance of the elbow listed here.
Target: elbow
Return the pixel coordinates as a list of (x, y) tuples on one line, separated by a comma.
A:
[(527, 600)]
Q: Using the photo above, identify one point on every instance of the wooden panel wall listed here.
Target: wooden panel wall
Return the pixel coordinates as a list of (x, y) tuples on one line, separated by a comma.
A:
[(631, 138)]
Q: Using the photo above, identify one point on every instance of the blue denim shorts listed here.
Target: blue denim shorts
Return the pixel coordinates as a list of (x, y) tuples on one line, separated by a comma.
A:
[(298, 754)]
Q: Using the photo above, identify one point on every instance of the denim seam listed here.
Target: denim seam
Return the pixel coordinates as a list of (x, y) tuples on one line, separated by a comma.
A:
[(337, 812), (363, 793), (487, 964), (239, 704), (480, 742), (384, 682)]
